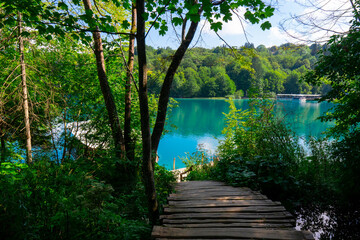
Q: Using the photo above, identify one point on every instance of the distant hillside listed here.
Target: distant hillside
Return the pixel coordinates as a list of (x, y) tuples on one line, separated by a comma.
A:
[(221, 72)]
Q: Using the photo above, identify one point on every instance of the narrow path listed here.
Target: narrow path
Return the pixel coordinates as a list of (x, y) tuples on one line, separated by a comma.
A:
[(201, 210)]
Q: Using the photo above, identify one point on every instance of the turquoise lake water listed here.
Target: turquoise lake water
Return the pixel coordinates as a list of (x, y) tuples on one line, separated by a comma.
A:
[(199, 122)]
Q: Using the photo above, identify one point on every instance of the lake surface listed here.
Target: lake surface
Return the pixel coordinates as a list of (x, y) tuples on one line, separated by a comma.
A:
[(199, 122)]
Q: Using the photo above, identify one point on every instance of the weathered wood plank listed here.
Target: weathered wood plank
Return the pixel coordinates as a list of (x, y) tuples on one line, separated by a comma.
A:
[(200, 183), (226, 215), (221, 233), (254, 209), (220, 198), (213, 194), (205, 188), (226, 225), (222, 189), (231, 220), (224, 203), (204, 210)]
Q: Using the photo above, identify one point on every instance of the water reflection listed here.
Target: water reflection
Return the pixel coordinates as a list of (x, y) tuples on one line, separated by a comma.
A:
[(200, 121), (329, 222)]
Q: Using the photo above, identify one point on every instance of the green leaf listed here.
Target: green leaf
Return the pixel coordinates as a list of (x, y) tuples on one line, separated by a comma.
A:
[(265, 25), (63, 6), (251, 17), (145, 16), (216, 26), (194, 9), (125, 24), (177, 21), (163, 29)]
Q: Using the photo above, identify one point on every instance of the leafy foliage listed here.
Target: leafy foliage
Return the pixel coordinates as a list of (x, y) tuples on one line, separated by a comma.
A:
[(48, 201), (219, 73), (338, 67)]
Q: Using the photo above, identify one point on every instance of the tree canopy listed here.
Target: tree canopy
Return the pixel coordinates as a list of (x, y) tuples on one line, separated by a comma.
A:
[(338, 67)]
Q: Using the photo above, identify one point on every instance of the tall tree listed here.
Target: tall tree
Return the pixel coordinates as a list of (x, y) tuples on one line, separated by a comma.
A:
[(147, 165), (25, 93), (129, 142), (106, 90), (256, 11)]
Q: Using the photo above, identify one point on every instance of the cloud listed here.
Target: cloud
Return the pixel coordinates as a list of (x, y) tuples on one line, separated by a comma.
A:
[(230, 28), (275, 36)]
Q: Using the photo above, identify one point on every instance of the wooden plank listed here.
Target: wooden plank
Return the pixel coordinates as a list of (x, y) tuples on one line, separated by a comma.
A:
[(221, 233), (308, 235), (195, 239), (214, 194), (223, 189), (204, 210), (226, 215), (234, 201), (220, 198), (226, 225), (233, 220), (204, 188), (225, 203), (200, 184), (256, 209)]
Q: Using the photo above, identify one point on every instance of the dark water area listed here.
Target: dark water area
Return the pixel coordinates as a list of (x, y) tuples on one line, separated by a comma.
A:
[(199, 122)]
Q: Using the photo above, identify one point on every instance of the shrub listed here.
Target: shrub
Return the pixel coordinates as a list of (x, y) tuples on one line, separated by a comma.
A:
[(50, 201)]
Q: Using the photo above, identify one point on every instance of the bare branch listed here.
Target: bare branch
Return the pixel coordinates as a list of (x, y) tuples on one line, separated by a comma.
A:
[(232, 49), (320, 20), (242, 25)]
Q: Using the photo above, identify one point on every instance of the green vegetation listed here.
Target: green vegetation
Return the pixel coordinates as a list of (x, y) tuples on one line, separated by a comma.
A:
[(70, 201), (79, 132), (77, 150), (222, 72), (260, 151)]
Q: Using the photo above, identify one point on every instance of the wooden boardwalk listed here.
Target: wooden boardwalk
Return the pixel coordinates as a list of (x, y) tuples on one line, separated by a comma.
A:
[(202, 210)]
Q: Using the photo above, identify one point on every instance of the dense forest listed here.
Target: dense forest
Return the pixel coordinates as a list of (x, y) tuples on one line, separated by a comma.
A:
[(82, 112), (237, 72)]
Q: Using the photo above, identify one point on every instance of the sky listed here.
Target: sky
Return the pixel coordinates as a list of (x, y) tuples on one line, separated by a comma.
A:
[(233, 33)]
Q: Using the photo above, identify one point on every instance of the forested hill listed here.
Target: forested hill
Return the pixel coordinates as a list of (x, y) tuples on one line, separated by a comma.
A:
[(221, 72)]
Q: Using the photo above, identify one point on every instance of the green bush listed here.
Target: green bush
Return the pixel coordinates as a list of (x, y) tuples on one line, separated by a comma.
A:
[(199, 165), (260, 151), (164, 180), (50, 201)]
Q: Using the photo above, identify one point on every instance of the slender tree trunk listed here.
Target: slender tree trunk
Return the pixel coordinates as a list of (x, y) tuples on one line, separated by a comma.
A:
[(166, 87), (106, 91), (65, 134), (147, 166), (129, 144), (25, 94)]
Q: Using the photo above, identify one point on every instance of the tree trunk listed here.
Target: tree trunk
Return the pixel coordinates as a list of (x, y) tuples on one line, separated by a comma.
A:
[(106, 91), (129, 143), (147, 166), (25, 94), (166, 87)]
